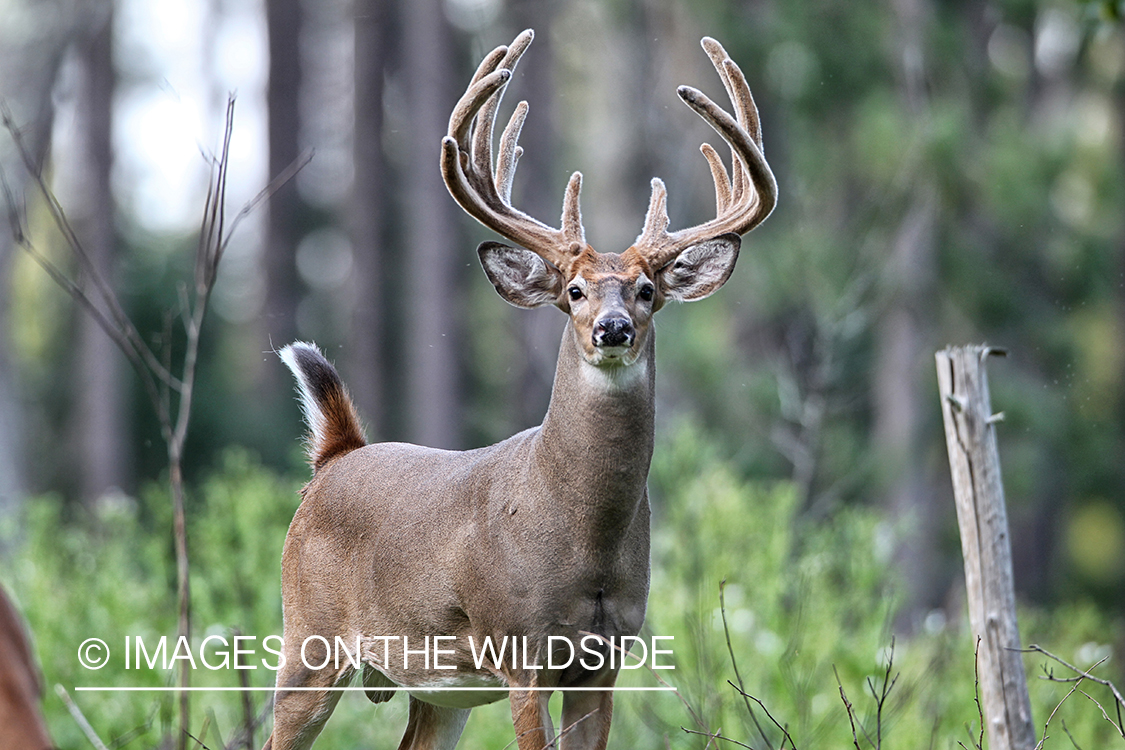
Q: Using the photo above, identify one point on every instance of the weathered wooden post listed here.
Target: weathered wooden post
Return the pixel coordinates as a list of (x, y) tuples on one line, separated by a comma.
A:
[(979, 491)]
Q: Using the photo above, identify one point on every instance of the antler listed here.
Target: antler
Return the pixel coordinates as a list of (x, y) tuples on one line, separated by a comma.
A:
[(742, 200), (466, 163)]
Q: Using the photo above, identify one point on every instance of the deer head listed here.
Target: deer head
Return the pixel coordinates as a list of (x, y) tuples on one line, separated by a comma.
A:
[(609, 297)]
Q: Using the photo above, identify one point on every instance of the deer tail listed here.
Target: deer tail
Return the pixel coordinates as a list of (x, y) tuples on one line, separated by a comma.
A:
[(334, 427)]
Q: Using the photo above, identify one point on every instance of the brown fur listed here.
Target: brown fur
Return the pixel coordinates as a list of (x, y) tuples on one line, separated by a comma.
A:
[(21, 723)]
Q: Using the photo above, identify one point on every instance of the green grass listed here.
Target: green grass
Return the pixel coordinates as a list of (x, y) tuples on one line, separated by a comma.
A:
[(804, 605)]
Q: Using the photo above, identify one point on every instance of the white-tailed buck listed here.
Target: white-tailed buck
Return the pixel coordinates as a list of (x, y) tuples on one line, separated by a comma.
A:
[(421, 558)]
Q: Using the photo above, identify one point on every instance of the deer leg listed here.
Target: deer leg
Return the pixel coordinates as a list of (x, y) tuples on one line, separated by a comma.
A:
[(298, 716), (433, 727), (586, 717), (532, 720)]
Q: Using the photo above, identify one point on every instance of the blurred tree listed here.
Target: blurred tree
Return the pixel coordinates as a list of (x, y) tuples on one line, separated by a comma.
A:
[(100, 422), (903, 341), (287, 210), (31, 66), (432, 321), (540, 196), (369, 213)]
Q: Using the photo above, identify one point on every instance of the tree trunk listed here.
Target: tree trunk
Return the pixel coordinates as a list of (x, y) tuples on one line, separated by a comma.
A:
[(100, 428), (286, 209), (540, 195), (367, 348), (902, 340), (435, 256), (974, 462)]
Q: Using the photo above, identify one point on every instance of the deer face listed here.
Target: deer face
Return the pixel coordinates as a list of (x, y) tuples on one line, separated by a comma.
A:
[(610, 298)]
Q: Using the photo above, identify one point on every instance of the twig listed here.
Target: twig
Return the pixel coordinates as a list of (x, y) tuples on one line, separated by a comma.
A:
[(1085, 674), (247, 703), (117, 312), (240, 739), (203, 731), (1073, 688), (80, 718), (717, 736), (881, 696), (979, 744), (734, 664), (1070, 736), (847, 707), (776, 723)]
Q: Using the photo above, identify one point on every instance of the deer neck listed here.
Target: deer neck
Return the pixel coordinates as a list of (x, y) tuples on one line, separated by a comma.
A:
[(596, 441)]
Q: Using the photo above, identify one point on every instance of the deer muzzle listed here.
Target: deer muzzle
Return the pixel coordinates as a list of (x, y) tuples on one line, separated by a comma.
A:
[(614, 333)]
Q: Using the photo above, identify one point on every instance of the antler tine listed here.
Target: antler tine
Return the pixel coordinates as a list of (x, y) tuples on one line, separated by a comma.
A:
[(466, 163), (745, 198), (486, 117), (510, 153), (720, 59)]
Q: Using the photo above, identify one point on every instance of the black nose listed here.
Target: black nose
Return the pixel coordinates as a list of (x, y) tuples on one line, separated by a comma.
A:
[(614, 332)]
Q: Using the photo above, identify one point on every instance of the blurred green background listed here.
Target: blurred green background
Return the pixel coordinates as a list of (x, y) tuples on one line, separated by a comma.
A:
[(951, 171)]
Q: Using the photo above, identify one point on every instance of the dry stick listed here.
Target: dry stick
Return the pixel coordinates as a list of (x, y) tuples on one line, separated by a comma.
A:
[(881, 696), (847, 707), (716, 736), (1047, 723), (776, 723), (1085, 674), (1070, 736), (203, 731), (121, 320), (240, 738), (247, 703), (979, 744), (80, 718), (985, 542), (734, 663)]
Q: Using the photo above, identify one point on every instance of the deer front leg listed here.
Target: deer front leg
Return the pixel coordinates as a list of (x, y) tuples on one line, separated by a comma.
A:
[(586, 716), (532, 720)]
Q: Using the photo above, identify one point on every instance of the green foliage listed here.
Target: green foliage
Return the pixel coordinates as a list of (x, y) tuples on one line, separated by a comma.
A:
[(804, 602), (112, 575)]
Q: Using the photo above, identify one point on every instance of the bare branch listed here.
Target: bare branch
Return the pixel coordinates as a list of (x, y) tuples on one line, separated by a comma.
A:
[(734, 664), (120, 319), (776, 723), (80, 718), (716, 736), (1046, 724), (847, 707), (1085, 674)]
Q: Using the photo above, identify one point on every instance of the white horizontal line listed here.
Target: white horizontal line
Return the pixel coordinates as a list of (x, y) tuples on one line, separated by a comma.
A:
[(351, 688)]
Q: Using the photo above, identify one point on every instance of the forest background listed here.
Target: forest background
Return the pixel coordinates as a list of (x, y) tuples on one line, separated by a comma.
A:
[(950, 172)]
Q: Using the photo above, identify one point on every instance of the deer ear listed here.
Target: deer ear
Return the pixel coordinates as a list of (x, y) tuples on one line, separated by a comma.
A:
[(520, 276), (701, 269)]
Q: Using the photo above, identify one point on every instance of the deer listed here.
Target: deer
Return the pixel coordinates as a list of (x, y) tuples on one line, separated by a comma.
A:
[(413, 557), (21, 721)]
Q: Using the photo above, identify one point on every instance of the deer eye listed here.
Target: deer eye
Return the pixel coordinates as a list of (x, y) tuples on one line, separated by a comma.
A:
[(646, 292), (575, 293)]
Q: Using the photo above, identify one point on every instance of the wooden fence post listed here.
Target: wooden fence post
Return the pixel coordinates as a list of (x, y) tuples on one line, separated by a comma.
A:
[(970, 437)]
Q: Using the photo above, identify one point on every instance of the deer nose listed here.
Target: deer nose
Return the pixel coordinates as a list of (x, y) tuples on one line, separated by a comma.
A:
[(614, 332)]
